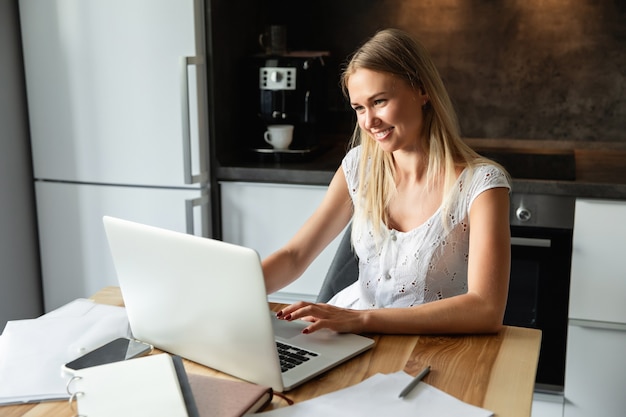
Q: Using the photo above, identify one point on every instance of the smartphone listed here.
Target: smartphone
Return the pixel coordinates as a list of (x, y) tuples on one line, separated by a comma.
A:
[(117, 350)]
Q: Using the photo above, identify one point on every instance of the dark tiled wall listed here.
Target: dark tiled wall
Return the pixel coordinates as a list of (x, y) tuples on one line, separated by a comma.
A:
[(536, 69)]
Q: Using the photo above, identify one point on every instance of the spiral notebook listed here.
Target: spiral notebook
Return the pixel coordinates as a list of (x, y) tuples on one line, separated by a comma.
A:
[(158, 385), (142, 387)]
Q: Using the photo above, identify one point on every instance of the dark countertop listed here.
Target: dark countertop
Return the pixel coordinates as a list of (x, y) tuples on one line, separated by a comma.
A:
[(316, 168), (600, 168)]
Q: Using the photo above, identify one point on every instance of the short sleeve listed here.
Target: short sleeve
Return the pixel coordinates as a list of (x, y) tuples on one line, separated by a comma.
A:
[(350, 166), (486, 177)]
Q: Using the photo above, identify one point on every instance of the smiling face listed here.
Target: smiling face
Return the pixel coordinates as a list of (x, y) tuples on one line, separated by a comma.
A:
[(388, 109)]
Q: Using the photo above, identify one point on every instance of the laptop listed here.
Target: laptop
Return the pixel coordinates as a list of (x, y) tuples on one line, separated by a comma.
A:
[(205, 300)]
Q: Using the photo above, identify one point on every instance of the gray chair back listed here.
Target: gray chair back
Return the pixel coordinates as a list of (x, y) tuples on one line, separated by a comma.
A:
[(343, 270)]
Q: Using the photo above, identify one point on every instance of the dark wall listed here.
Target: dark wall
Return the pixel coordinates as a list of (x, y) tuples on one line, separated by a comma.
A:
[(529, 69), (232, 30)]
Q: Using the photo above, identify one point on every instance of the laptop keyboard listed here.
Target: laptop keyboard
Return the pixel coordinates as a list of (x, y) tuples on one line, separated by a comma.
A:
[(291, 356)]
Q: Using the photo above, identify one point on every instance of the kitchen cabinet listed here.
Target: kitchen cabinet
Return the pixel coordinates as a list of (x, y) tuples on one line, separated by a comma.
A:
[(264, 216), (547, 405), (598, 281), (595, 373)]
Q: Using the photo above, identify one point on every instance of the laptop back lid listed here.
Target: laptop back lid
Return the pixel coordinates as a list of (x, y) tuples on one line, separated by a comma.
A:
[(199, 298)]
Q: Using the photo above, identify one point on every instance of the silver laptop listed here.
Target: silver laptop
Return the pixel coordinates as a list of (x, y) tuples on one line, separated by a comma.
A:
[(205, 300)]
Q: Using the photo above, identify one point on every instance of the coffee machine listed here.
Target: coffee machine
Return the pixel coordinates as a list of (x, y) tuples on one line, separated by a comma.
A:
[(291, 90)]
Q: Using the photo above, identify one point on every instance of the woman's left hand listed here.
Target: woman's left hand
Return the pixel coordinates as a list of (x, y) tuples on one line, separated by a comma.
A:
[(322, 316)]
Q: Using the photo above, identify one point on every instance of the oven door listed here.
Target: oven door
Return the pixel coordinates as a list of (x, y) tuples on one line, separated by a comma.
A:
[(539, 295)]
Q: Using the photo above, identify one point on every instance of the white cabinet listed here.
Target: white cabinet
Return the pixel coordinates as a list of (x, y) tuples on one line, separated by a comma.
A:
[(547, 405), (265, 216), (598, 286), (595, 373)]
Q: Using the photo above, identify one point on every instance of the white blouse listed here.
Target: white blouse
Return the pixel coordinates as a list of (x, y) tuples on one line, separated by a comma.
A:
[(422, 265)]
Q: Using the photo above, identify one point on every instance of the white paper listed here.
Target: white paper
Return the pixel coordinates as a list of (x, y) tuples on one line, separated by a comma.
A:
[(33, 352), (378, 396)]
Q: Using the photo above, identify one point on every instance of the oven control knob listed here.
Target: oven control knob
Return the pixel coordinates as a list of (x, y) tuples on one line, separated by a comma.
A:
[(523, 214)]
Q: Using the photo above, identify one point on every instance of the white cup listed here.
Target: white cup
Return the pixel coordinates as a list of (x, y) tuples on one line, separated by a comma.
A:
[(279, 136)]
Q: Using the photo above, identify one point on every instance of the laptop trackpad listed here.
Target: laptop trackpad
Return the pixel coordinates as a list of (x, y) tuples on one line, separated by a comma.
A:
[(288, 329)]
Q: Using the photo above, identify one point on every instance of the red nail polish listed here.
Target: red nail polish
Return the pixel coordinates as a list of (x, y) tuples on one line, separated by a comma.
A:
[(305, 331), (280, 313)]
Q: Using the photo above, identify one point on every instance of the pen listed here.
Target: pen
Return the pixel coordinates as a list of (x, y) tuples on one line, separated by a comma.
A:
[(414, 382)]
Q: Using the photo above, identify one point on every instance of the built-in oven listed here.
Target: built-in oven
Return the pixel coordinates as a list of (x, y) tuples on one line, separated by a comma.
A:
[(541, 250)]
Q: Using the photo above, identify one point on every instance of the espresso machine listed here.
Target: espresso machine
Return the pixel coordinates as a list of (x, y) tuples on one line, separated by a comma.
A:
[(291, 90)]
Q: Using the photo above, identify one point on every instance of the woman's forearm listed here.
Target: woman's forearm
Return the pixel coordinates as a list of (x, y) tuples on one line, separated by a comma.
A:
[(467, 313)]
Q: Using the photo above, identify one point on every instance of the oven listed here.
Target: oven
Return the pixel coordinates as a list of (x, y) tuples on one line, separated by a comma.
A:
[(541, 251)]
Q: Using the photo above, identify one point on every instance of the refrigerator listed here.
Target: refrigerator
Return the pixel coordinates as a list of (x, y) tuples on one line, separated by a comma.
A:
[(117, 98)]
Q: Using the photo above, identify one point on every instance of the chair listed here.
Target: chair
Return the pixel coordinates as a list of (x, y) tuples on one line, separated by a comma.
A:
[(343, 270)]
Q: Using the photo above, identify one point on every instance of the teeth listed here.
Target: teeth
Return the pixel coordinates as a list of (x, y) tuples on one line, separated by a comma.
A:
[(379, 135)]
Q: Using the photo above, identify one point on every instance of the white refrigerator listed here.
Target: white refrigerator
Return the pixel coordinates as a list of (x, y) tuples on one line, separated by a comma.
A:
[(117, 101)]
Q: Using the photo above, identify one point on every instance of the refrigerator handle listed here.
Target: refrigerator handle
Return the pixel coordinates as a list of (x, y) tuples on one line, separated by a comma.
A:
[(190, 178), (190, 204), (594, 324)]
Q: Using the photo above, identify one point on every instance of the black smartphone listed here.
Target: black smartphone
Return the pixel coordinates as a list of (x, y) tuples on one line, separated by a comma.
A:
[(117, 350)]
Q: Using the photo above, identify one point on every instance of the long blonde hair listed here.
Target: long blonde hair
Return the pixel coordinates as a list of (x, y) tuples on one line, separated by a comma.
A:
[(395, 52)]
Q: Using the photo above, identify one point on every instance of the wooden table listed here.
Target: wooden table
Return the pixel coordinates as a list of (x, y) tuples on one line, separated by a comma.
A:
[(496, 371)]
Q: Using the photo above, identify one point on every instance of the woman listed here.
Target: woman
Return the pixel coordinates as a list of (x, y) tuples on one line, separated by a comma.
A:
[(430, 217)]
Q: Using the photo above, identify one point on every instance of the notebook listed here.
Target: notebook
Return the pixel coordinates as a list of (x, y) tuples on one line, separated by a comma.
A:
[(220, 397), (139, 387), (159, 385), (205, 300)]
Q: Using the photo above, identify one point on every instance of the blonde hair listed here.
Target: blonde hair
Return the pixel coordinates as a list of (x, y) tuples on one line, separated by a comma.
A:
[(395, 52)]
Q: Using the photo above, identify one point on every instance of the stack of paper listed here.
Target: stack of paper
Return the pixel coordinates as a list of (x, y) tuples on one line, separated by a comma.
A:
[(33, 352), (378, 396)]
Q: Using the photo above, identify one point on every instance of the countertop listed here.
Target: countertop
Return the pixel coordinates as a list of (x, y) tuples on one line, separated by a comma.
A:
[(600, 167)]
